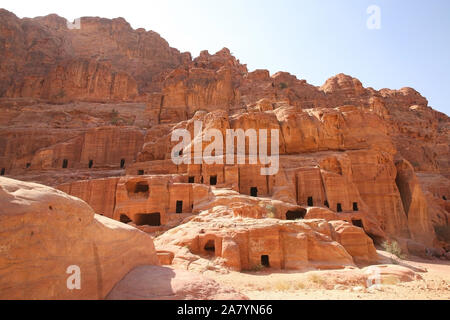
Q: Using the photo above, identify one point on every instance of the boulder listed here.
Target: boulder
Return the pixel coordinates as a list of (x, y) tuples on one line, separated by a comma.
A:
[(47, 234)]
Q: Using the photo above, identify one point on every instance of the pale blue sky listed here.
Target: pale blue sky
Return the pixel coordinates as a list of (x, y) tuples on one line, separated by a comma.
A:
[(312, 39)]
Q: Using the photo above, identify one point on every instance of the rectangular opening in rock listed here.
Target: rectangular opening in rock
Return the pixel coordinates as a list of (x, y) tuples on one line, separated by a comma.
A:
[(296, 214), (213, 180), (28, 165), (141, 187), (91, 163), (355, 206), (339, 207), (254, 191), (122, 163), (210, 246), (148, 219), (310, 202), (125, 219), (2, 173), (179, 206), (140, 172), (265, 261), (326, 204), (65, 163), (358, 223), (191, 179)]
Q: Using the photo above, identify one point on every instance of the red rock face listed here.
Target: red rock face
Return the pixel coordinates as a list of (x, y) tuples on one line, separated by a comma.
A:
[(33, 48), (92, 111), (79, 80), (56, 215)]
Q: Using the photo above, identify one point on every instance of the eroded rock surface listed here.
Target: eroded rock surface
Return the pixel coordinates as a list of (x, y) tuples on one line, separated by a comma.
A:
[(45, 231)]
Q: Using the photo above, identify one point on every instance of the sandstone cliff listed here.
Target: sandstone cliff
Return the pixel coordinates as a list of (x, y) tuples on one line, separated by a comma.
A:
[(92, 111)]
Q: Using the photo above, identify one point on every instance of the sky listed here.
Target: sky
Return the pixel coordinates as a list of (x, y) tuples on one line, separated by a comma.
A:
[(312, 39)]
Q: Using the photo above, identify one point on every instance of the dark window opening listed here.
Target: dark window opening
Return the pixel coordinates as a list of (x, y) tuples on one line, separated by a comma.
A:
[(210, 246), (91, 163), (180, 153), (2, 173), (28, 165), (148, 219), (355, 206), (179, 207), (213, 180), (191, 179), (125, 219), (122, 163), (358, 223), (444, 198), (254, 191), (65, 163), (265, 261), (201, 180), (140, 172), (296, 215), (326, 204), (310, 202), (339, 207), (141, 187)]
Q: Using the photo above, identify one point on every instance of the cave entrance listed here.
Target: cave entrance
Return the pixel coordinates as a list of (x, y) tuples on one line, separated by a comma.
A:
[(179, 206), (254, 191), (140, 172), (265, 261), (326, 204), (28, 165), (2, 173), (213, 180), (91, 163), (125, 219), (142, 188), (310, 202), (355, 206), (148, 219), (122, 163), (210, 246), (65, 163), (358, 223), (339, 207), (296, 214), (191, 179)]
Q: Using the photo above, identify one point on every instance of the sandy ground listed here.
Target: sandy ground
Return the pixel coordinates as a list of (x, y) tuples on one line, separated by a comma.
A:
[(347, 284)]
